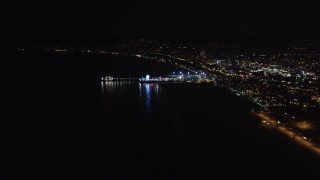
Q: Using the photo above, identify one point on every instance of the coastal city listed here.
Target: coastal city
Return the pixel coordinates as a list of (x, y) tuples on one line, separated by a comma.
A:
[(282, 83), (278, 78)]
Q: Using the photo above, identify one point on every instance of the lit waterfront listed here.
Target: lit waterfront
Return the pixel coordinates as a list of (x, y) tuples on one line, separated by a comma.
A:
[(278, 79), (287, 131), (188, 78)]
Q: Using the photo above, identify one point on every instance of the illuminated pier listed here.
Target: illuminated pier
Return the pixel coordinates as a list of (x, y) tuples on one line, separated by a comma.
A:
[(189, 78), (110, 78)]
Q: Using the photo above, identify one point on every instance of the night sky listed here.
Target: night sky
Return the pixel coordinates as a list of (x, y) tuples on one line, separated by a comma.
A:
[(49, 20)]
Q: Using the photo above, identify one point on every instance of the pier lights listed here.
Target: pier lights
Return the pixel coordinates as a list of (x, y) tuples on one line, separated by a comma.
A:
[(147, 77), (180, 72)]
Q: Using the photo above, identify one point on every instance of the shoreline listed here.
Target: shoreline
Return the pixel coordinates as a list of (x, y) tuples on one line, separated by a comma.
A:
[(299, 139)]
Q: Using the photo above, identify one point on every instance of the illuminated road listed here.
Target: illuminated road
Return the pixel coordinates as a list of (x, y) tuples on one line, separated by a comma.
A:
[(304, 141)]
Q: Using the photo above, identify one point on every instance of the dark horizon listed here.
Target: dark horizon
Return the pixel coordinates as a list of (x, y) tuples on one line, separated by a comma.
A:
[(94, 21), (231, 40)]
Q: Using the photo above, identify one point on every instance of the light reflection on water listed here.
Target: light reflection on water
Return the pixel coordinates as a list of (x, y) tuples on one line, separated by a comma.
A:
[(147, 92), (148, 95), (108, 87)]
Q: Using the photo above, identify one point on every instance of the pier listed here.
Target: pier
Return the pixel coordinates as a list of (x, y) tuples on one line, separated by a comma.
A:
[(189, 78)]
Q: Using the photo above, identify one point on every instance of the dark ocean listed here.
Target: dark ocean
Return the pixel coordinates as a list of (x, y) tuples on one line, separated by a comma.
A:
[(60, 121)]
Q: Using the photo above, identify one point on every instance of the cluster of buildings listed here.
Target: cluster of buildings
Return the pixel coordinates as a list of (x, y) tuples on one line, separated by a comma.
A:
[(280, 79), (285, 79)]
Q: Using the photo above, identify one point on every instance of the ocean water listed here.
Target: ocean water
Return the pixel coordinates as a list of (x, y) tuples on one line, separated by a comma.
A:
[(60, 120)]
